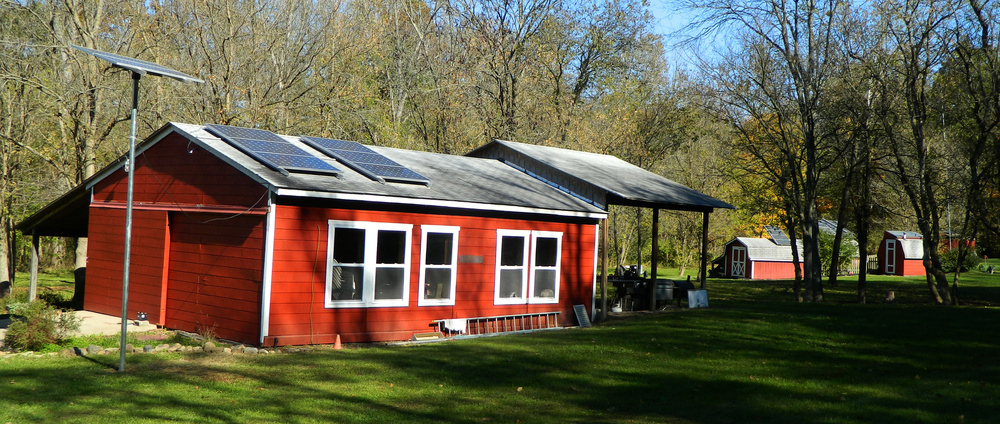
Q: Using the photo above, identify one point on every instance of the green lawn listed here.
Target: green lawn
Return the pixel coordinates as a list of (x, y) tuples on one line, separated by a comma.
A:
[(754, 356)]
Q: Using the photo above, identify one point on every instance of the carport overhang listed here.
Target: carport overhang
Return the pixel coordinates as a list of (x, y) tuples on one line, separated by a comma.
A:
[(67, 216), (605, 180)]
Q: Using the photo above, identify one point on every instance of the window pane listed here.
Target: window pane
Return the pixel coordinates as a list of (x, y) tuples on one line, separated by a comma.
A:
[(545, 251), (545, 283), (388, 283), (349, 245), (439, 249), (347, 282), (510, 283), (391, 247), (437, 283), (512, 251)]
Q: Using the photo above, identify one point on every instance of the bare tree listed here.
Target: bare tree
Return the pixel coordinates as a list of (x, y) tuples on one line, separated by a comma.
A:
[(789, 51), (916, 42)]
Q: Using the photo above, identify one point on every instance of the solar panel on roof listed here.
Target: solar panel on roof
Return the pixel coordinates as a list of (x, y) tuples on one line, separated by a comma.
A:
[(777, 236), (139, 66), (271, 150), (365, 160)]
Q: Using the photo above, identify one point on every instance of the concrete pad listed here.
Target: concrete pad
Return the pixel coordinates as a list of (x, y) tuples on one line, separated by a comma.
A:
[(92, 323)]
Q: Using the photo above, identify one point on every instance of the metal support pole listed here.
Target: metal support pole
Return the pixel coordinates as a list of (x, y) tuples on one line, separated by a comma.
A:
[(130, 169), (652, 259)]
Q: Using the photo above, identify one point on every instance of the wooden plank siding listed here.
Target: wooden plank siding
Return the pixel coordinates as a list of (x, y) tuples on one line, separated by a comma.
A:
[(215, 273), (298, 288), (765, 270), (175, 172), (106, 254), (201, 270)]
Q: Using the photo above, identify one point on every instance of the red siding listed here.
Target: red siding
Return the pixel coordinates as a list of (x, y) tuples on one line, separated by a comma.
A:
[(762, 270), (910, 267), (106, 254), (170, 173), (215, 275), (298, 314), (213, 266)]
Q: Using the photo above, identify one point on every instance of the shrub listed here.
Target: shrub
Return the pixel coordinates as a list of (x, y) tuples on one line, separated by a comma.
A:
[(949, 260), (848, 251), (53, 298), (39, 324)]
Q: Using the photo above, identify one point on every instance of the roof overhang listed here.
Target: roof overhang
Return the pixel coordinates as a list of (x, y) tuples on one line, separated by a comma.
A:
[(601, 180), (66, 216)]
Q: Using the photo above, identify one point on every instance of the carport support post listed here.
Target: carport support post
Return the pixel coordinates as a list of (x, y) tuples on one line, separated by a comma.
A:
[(33, 284), (604, 271), (652, 259), (704, 248)]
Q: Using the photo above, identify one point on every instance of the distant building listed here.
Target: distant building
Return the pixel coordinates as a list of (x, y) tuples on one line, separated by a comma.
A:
[(771, 258), (901, 253)]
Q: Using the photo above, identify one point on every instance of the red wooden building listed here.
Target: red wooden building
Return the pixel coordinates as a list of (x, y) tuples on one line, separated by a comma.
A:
[(280, 240), (759, 259), (901, 253)]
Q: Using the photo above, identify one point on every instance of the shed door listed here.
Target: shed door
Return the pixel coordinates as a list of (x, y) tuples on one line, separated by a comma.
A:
[(890, 257), (739, 263)]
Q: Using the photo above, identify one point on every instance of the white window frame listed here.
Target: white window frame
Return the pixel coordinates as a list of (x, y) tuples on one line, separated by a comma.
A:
[(425, 230), (527, 267), (369, 266), (507, 299), (535, 235)]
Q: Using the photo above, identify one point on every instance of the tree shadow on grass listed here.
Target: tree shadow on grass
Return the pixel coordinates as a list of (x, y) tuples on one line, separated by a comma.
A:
[(764, 362)]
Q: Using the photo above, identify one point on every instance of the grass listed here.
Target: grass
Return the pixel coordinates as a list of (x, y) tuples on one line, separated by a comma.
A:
[(754, 356)]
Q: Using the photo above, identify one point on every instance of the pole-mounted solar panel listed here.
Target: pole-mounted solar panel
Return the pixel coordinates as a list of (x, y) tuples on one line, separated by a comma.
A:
[(138, 68)]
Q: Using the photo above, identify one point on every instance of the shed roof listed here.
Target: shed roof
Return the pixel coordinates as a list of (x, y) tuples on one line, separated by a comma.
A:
[(601, 179), (905, 234), (761, 249), (912, 248), (830, 227)]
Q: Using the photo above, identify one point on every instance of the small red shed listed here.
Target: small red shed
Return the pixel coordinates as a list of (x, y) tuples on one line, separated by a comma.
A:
[(759, 259), (901, 253), (279, 240)]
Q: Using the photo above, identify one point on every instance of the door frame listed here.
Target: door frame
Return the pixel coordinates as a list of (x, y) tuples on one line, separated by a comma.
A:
[(738, 261), (890, 257)]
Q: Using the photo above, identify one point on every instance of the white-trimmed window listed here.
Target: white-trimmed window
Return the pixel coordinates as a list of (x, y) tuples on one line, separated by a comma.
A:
[(438, 261), (368, 264), (546, 251), (528, 265)]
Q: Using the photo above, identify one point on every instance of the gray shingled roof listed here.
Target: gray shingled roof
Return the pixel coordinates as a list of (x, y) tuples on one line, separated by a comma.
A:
[(602, 179), (761, 249), (905, 234), (456, 182)]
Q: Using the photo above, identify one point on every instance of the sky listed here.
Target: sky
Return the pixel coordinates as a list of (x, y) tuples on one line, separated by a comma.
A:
[(669, 23)]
